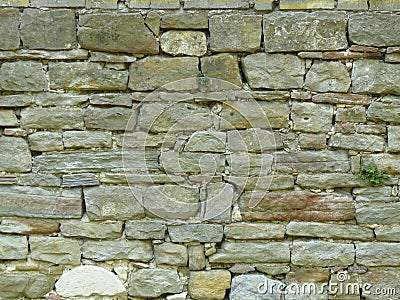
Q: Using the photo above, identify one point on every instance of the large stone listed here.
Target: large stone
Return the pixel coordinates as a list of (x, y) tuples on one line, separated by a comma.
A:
[(9, 22), (219, 200), (13, 247), (46, 141), (32, 72), (387, 234), (329, 231), (273, 71), (216, 4), (271, 252), (141, 283), (375, 193), (56, 250), (145, 229), (329, 180), (222, 66), (113, 202), (87, 139), (378, 254), (117, 249), (14, 155), (204, 233), (178, 42), (259, 231), (385, 162), (185, 20), (312, 117), (28, 226), (358, 142), (153, 72), (366, 29), (114, 118), (116, 33), (321, 253), (48, 29), (296, 205), (390, 5), (385, 110), (393, 138), (303, 31), (31, 286), (235, 33), (375, 77), (255, 287), (86, 76), (97, 230), (207, 141), (171, 254), (207, 285), (329, 76), (52, 118), (307, 4), (378, 213)]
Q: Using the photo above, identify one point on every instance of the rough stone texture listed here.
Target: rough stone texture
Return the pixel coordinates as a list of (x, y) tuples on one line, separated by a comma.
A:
[(235, 33), (321, 253), (393, 138), (81, 179), (186, 20), (13, 247), (216, 4), (196, 233), (86, 139), (378, 213), (9, 22), (301, 31), (385, 109), (86, 76), (246, 287), (52, 118), (48, 29), (15, 155), (382, 279), (57, 3), (28, 226), (153, 72), (209, 284), (379, 194), (312, 117), (141, 283), (98, 230), (197, 259), (307, 4), (273, 71), (56, 250), (312, 141), (385, 162), (114, 118), (390, 5), (375, 77), (378, 254), (352, 114), (222, 66), (248, 231), (352, 5), (171, 254), (366, 29), (206, 141), (45, 141), (391, 234), (155, 4), (25, 285), (31, 71), (145, 229), (177, 42), (329, 180), (55, 99), (116, 33), (327, 77), (8, 118), (360, 142)]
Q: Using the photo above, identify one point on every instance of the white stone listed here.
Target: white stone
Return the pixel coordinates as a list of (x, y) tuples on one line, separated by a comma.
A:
[(181, 296)]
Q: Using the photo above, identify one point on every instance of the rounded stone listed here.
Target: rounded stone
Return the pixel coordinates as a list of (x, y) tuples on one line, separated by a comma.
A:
[(176, 42)]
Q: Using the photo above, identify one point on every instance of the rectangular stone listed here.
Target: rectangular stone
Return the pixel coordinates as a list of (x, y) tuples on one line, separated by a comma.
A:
[(26, 201), (42, 54), (306, 4), (312, 161), (13, 247), (216, 4), (393, 138), (329, 181), (338, 98), (376, 193), (382, 280), (378, 254), (117, 249), (386, 163), (371, 129), (29, 226), (111, 99), (259, 231), (253, 140), (204, 233), (154, 4), (262, 183), (392, 58), (312, 117), (310, 141), (14, 155), (57, 3), (265, 5), (55, 250), (296, 205), (145, 229), (52, 118), (378, 213), (86, 76), (39, 180), (32, 72), (353, 4), (81, 179), (320, 31), (358, 142), (329, 231), (105, 4), (19, 100), (15, 3), (87, 139), (171, 254), (96, 230), (390, 5), (251, 252), (385, 110), (44, 141), (8, 118), (185, 20), (352, 114), (114, 118), (322, 254), (55, 99), (9, 22)]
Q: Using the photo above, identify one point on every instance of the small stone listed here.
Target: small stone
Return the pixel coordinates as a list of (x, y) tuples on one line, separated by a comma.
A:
[(45, 141), (241, 269), (350, 99), (86, 139), (265, 5), (110, 99), (145, 229), (307, 4), (375, 254), (196, 233), (209, 284), (98, 230), (8, 118), (31, 71), (15, 155), (197, 258), (185, 20), (216, 4), (113, 118), (222, 66), (259, 231), (28, 226), (312, 117), (13, 247), (273, 269), (352, 5), (253, 140), (178, 42), (171, 254), (393, 138), (312, 141), (328, 77), (9, 22), (52, 118)]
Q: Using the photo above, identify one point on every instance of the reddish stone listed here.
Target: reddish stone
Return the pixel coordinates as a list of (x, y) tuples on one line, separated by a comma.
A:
[(341, 98)]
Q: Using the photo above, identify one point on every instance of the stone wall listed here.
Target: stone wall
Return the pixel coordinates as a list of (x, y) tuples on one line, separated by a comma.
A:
[(198, 149)]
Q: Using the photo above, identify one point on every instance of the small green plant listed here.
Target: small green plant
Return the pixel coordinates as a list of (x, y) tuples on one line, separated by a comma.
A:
[(203, 79), (370, 173)]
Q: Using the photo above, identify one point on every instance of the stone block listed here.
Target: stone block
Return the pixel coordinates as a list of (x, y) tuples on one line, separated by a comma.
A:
[(352, 5), (185, 20), (8, 118), (375, 254), (15, 155), (52, 118), (209, 284), (204, 233), (171, 254), (248, 286), (306, 4), (312, 117), (9, 22), (29, 226), (105, 4), (45, 141), (13, 247), (81, 179), (352, 114), (197, 259), (358, 142), (86, 139), (258, 231), (216, 4), (329, 181), (178, 43), (55, 99), (114, 118), (222, 66), (17, 285), (377, 213), (32, 72), (329, 76), (97, 230), (384, 110), (375, 193), (57, 3), (145, 229), (312, 141)]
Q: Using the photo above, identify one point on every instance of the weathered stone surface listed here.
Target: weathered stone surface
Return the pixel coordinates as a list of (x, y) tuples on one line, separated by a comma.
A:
[(116, 33), (8, 118), (385, 109), (85, 281), (215, 4), (307, 4), (15, 155), (178, 42), (204, 233), (55, 99), (312, 117), (245, 164), (48, 29), (329, 181), (219, 200), (297, 205), (45, 141), (87, 139), (321, 253), (9, 29), (52, 118), (390, 5), (197, 259), (248, 231), (391, 234), (145, 229), (375, 194), (245, 287), (16, 285), (222, 66), (314, 162), (235, 33), (113, 202), (209, 284), (98, 230), (378, 213), (86, 76), (19, 100), (376, 77), (56, 250), (13, 247), (186, 20), (352, 5), (358, 142), (351, 99), (107, 4), (28, 226), (114, 118), (57, 3), (366, 29), (302, 31), (39, 180), (384, 280), (329, 231), (393, 138), (312, 141), (263, 183), (153, 72), (171, 254), (110, 99), (117, 249), (96, 56), (273, 71), (328, 77), (207, 141), (43, 54), (378, 254), (265, 5), (154, 4), (271, 252), (31, 71), (352, 114), (141, 283)]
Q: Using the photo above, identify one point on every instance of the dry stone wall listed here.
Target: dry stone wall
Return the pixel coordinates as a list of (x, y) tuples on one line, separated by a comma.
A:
[(199, 149)]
